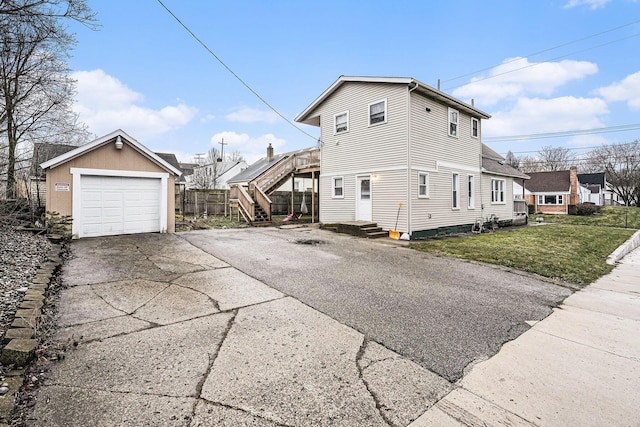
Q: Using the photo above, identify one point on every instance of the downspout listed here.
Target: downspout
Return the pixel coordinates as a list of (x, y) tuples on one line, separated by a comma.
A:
[(409, 198)]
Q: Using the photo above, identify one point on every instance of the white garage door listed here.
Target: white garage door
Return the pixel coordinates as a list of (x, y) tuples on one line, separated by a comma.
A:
[(113, 205)]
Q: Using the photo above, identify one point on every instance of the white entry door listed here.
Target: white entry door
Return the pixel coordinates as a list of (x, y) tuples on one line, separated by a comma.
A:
[(363, 198)]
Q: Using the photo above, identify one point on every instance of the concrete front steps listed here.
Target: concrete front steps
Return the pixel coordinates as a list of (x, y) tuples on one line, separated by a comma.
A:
[(366, 229)]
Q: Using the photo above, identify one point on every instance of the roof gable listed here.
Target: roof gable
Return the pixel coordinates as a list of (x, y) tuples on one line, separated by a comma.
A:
[(545, 182), (592, 178), (79, 151), (307, 115)]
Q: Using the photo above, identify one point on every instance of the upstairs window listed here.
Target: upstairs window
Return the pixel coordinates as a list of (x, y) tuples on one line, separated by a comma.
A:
[(453, 122), (475, 127), (378, 112), (341, 122)]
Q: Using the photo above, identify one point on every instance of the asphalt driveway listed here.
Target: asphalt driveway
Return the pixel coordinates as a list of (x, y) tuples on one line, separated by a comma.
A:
[(444, 314)]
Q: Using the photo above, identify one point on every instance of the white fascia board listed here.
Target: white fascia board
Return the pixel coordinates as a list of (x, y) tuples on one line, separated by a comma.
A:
[(102, 140)]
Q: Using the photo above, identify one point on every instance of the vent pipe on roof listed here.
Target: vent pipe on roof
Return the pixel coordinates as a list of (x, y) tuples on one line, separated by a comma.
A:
[(269, 153)]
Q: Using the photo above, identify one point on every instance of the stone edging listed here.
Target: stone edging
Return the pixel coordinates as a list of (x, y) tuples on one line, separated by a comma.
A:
[(631, 243), (20, 338)]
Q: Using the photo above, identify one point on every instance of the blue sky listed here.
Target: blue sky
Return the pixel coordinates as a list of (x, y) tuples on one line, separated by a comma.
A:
[(143, 73)]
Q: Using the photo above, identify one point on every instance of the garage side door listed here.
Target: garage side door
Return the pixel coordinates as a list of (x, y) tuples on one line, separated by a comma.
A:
[(113, 205)]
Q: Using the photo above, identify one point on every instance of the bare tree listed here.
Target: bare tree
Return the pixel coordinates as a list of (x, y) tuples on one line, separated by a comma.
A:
[(555, 158), (621, 163), (36, 90), (529, 164), (235, 156), (205, 175), (512, 160)]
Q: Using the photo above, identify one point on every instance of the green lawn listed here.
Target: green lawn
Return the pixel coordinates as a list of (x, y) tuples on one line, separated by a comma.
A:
[(609, 216), (573, 253)]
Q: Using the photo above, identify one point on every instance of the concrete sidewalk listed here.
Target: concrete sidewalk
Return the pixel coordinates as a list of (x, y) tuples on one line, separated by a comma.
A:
[(578, 367)]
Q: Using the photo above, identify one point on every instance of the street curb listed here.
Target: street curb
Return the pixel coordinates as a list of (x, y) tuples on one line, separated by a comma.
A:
[(20, 339), (631, 243)]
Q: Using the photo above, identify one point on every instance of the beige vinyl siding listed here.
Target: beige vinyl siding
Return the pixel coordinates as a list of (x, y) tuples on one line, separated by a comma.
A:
[(439, 205), (337, 209), (363, 147), (430, 147), (502, 211), (430, 140)]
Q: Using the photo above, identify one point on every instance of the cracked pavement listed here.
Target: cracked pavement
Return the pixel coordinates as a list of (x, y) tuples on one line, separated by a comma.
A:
[(161, 333)]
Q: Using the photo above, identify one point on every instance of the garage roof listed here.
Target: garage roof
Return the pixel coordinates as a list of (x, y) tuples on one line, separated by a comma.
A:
[(105, 140)]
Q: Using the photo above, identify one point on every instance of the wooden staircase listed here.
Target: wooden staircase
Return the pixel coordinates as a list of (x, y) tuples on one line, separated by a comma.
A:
[(253, 202), (369, 230)]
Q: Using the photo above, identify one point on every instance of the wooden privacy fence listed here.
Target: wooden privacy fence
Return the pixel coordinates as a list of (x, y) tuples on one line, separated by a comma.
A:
[(199, 202), (193, 202)]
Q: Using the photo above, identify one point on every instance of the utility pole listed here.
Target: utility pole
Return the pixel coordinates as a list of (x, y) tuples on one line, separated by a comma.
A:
[(222, 150)]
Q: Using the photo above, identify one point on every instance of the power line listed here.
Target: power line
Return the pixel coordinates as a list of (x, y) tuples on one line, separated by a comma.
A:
[(545, 50), (204, 45), (594, 131), (542, 62)]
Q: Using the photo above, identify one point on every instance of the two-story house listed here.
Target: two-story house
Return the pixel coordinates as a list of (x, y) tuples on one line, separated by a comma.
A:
[(387, 141)]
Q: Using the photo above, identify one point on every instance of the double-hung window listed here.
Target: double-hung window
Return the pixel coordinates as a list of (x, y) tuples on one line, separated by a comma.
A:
[(337, 187), (497, 191), (475, 127), (423, 185), (471, 192), (454, 117), (378, 112), (455, 191), (341, 122)]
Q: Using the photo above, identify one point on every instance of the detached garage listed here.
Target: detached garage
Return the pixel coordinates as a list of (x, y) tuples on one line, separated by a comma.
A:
[(113, 185)]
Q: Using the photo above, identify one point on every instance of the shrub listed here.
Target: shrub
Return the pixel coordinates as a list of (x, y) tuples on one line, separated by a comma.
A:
[(586, 209), (532, 209), (573, 209)]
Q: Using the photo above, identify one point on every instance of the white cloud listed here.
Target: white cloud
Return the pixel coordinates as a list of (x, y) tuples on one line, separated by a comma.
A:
[(104, 103), (627, 90), (252, 115), (593, 4), (535, 115), (251, 147), (517, 77)]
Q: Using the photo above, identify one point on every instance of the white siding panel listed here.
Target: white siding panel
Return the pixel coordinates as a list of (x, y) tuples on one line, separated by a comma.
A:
[(502, 211)]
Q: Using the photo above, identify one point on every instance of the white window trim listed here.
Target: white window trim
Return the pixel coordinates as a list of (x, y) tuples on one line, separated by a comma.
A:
[(455, 187), (474, 120), (503, 191), (426, 195), (335, 124), (471, 179), (457, 123), (386, 112), (551, 204), (333, 187)]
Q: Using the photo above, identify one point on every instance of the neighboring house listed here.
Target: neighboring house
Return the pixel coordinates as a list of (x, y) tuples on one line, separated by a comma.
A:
[(215, 175), (601, 193), (388, 141), (112, 185), (34, 186), (553, 192)]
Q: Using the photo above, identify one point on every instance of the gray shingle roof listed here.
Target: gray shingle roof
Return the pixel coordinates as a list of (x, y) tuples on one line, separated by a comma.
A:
[(43, 152), (545, 182), (493, 162)]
